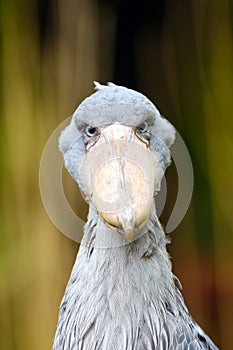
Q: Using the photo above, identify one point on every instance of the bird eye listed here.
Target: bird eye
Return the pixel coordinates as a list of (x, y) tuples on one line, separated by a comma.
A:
[(143, 127), (91, 131)]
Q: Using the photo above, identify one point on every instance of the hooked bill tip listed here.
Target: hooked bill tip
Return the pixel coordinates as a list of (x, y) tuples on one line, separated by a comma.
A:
[(128, 222), (129, 235)]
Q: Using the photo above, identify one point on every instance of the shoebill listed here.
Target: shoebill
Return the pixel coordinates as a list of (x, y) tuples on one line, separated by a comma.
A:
[(122, 294)]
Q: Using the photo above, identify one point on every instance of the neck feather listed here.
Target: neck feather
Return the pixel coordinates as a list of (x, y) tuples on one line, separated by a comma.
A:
[(143, 262), (117, 287)]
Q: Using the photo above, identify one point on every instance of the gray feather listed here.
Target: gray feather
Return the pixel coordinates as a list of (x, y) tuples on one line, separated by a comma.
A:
[(124, 297), (118, 299)]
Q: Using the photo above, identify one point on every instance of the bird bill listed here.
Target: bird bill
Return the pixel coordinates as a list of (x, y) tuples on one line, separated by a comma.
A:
[(119, 173)]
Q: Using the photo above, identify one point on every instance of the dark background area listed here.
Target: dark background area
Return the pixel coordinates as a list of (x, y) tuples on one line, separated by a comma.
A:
[(179, 54)]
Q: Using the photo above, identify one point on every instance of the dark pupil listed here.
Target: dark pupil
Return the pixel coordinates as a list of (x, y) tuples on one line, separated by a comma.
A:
[(143, 127), (90, 131)]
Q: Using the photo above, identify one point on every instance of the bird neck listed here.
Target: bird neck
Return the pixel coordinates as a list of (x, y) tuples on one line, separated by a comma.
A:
[(98, 235), (136, 270)]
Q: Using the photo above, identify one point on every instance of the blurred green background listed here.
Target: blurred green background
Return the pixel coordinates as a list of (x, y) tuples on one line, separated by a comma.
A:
[(180, 54)]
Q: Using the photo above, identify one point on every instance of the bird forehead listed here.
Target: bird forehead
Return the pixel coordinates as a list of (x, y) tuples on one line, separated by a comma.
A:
[(106, 114)]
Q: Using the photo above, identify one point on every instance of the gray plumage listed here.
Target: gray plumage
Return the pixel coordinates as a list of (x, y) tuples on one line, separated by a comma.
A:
[(124, 296)]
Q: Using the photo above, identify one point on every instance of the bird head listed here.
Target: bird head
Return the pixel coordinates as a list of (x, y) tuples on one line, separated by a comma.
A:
[(116, 148)]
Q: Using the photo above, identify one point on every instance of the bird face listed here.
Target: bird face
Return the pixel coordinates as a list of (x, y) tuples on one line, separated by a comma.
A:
[(119, 175), (117, 149)]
